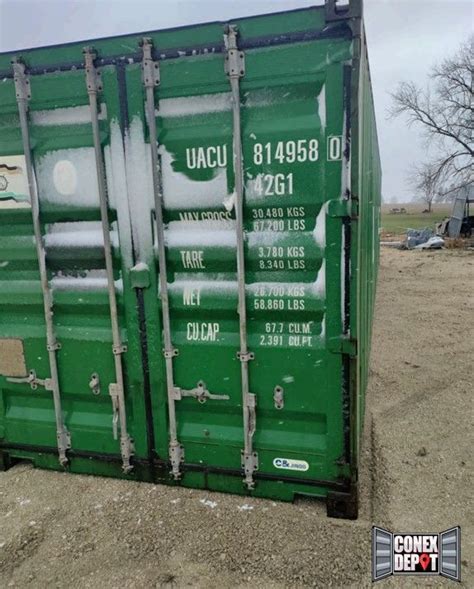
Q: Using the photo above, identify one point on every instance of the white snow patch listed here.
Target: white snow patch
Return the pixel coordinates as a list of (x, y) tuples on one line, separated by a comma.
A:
[(140, 189), (245, 507), (75, 115), (202, 225), (319, 232), (253, 188), (229, 202), (213, 286), (203, 238), (79, 234), (180, 192), (323, 328), (117, 189), (93, 280), (256, 238), (259, 98), (196, 105), (140, 266), (198, 277), (319, 287), (321, 99), (208, 503)]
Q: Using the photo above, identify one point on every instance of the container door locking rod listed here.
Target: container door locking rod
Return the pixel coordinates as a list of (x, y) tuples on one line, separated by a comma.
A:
[(94, 87), (151, 79), (23, 95), (235, 69)]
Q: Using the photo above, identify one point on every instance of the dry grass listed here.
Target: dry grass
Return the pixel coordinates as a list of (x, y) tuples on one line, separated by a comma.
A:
[(457, 243), (413, 218)]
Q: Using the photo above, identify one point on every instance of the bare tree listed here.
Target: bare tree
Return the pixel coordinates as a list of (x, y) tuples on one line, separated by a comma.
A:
[(446, 113), (425, 183)]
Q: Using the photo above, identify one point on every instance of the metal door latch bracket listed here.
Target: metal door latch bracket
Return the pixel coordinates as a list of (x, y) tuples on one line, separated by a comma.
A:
[(117, 350), (278, 397), (170, 353), (53, 347), (245, 356), (200, 393), (343, 345), (33, 381), (94, 383)]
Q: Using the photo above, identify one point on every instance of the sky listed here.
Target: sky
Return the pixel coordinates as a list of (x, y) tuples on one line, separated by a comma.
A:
[(405, 38)]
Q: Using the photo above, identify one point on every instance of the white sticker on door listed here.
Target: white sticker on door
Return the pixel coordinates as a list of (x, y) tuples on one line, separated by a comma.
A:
[(290, 464)]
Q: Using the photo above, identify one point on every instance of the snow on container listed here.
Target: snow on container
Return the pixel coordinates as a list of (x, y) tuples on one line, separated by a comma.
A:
[(188, 254)]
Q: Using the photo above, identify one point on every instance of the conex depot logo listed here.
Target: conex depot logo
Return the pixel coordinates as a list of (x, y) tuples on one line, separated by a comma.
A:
[(289, 464), (416, 554)]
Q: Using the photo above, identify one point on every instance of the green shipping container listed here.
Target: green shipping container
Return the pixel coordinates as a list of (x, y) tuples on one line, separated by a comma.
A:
[(188, 255)]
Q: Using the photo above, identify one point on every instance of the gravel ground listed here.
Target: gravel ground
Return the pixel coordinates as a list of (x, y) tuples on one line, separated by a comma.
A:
[(59, 530)]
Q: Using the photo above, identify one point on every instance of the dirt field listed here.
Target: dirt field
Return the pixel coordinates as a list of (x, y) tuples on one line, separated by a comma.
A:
[(59, 530)]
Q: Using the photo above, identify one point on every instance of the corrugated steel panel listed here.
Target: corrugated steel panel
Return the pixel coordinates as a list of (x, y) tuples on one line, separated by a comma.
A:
[(244, 362)]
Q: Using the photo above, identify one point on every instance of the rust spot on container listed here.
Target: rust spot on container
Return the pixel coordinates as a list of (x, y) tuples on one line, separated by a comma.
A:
[(12, 357)]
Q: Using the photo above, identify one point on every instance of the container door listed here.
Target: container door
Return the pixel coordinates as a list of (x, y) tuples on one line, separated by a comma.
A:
[(286, 107), (71, 374)]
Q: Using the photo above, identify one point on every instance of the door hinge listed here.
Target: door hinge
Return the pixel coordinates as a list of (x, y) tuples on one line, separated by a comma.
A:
[(354, 208), (343, 345), (343, 208), (249, 465)]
